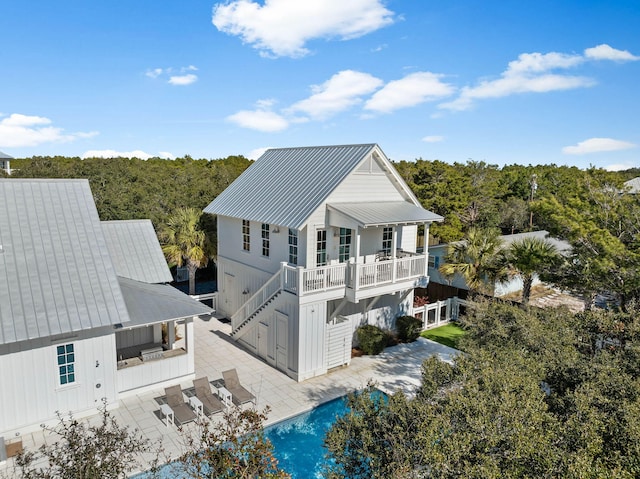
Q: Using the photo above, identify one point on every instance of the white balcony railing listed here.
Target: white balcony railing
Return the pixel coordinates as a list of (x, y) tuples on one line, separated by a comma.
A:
[(302, 281)]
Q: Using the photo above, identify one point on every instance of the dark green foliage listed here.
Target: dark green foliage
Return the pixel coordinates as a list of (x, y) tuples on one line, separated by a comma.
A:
[(408, 328), (234, 449), (131, 188), (77, 450), (372, 340), (537, 394)]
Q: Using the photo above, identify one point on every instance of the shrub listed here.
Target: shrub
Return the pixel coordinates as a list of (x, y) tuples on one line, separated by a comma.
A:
[(372, 339), (408, 328)]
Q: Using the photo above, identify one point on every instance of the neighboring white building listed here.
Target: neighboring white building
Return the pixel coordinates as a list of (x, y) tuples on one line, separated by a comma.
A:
[(438, 254), (82, 303), (5, 162), (312, 243)]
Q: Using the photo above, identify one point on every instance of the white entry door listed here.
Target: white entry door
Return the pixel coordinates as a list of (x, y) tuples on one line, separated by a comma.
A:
[(339, 335), (282, 335)]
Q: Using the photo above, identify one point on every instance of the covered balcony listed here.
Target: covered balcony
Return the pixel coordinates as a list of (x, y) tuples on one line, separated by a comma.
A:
[(377, 245)]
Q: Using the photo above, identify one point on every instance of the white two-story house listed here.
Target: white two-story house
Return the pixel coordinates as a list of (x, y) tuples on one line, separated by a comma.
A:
[(312, 243)]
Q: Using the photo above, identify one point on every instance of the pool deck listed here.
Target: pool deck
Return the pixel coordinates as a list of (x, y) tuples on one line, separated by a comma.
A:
[(397, 368)]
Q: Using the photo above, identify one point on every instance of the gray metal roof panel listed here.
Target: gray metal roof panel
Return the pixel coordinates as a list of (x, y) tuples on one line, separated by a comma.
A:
[(4, 156), (307, 175), (135, 251), (385, 213), (633, 185), (56, 275), (155, 303)]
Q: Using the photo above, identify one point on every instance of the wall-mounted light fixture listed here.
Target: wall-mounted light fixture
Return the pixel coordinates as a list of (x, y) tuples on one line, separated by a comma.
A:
[(275, 230), (245, 291)]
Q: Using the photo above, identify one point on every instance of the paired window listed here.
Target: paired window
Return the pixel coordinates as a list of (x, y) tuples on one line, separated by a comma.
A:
[(345, 245), (321, 248), (246, 235), (387, 238), (293, 246), (265, 239), (66, 364)]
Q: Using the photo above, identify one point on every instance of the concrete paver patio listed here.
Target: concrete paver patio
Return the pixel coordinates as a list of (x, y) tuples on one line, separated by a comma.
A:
[(397, 368)]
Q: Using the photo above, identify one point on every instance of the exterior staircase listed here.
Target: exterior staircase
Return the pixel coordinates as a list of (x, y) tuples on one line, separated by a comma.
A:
[(245, 319)]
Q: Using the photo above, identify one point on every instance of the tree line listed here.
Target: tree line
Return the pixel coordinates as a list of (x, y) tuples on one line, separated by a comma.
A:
[(588, 208)]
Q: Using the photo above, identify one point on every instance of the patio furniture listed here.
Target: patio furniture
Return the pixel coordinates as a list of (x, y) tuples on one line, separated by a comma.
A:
[(182, 413), (210, 403), (238, 392)]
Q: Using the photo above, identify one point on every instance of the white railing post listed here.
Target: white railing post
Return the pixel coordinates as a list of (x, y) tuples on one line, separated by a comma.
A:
[(283, 270), (300, 280)]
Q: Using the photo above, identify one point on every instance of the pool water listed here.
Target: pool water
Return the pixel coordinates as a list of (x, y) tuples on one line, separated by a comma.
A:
[(298, 442)]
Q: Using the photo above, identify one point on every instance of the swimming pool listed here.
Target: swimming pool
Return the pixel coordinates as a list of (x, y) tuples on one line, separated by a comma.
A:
[(298, 442)]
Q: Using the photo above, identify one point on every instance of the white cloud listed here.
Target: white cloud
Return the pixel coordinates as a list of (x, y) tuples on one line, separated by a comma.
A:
[(175, 76), (125, 154), (620, 166), (533, 73), (433, 138), (528, 74), (257, 153), (605, 52), (183, 79), (595, 145), (19, 130), (283, 27), (409, 91), (342, 91), (155, 73), (260, 119)]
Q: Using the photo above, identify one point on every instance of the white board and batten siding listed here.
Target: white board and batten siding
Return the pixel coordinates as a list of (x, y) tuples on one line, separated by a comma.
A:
[(31, 386), (312, 347)]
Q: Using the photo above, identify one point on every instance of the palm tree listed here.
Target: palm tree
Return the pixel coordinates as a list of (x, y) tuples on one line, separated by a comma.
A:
[(184, 242), (477, 258), (527, 257)]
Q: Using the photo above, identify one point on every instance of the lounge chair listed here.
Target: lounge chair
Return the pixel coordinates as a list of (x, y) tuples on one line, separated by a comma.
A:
[(182, 413), (210, 403), (240, 395)]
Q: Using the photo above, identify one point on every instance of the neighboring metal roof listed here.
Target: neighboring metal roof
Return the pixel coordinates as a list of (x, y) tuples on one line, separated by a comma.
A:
[(560, 245), (384, 213), (135, 251), (286, 185), (56, 276), (156, 303), (4, 156), (633, 185)]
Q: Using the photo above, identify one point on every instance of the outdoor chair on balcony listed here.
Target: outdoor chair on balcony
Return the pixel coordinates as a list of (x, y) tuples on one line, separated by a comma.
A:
[(239, 393), (210, 403), (182, 413)]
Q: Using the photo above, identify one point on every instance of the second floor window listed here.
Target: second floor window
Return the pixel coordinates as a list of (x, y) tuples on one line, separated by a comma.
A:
[(321, 248), (265, 239), (293, 246), (246, 235), (387, 238), (345, 245)]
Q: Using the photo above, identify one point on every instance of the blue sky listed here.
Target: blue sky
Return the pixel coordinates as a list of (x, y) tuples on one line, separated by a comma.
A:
[(508, 81)]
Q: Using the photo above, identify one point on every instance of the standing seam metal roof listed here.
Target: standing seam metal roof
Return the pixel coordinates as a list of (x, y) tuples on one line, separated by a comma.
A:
[(385, 213), (284, 186), (135, 251), (56, 275)]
